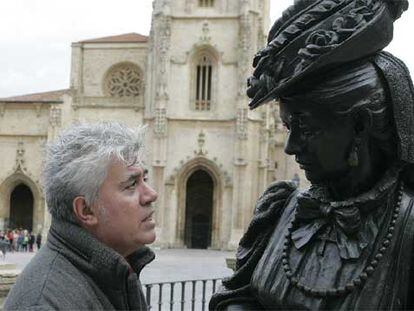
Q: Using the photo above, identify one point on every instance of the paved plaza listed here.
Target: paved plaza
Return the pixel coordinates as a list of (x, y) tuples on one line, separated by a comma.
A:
[(169, 265), (186, 264)]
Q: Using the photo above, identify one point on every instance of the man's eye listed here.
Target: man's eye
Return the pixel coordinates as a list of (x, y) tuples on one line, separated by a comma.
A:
[(132, 185), (145, 178)]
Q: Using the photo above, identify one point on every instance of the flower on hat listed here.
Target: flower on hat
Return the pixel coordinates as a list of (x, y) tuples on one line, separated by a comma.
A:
[(319, 42)]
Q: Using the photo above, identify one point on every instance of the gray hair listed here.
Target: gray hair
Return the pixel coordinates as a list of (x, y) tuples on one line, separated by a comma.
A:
[(76, 163)]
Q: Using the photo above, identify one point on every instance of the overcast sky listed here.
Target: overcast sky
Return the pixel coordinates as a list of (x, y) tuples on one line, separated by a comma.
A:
[(35, 36)]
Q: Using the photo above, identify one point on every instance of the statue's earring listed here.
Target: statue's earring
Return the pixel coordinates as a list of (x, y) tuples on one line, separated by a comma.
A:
[(353, 158)]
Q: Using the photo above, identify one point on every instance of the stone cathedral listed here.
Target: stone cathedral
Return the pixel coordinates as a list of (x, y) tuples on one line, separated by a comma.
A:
[(208, 156)]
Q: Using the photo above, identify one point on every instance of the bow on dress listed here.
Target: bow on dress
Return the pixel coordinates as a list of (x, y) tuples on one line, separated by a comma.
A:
[(342, 221)]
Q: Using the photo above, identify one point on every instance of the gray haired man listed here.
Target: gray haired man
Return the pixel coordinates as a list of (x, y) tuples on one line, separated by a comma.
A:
[(97, 193)]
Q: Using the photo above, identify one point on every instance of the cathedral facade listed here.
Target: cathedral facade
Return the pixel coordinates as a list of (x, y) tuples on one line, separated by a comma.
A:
[(208, 156)]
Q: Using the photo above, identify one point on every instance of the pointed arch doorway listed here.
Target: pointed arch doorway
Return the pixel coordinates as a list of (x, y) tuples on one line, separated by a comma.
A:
[(21, 208), (199, 210)]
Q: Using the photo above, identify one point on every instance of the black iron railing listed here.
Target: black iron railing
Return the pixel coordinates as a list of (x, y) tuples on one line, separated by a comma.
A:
[(181, 295)]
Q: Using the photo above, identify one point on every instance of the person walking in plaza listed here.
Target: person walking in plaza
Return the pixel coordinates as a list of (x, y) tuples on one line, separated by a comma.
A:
[(31, 241), (25, 241), (15, 238), (20, 241), (96, 190), (10, 237), (38, 240)]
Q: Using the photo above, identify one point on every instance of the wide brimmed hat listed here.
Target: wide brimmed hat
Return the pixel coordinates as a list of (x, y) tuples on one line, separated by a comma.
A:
[(315, 35)]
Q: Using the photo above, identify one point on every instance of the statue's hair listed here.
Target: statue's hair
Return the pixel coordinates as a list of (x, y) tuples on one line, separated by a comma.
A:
[(382, 131), (376, 103), (76, 163)]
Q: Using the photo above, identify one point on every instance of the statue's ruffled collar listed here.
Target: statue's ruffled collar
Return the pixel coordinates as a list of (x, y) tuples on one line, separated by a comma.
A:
[(341, 220), (321, 193)]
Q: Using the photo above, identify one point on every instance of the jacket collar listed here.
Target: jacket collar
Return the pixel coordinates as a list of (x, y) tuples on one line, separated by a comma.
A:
[(108, 269)]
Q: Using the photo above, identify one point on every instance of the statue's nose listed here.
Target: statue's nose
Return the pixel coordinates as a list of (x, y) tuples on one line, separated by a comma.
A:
[(294, 144)]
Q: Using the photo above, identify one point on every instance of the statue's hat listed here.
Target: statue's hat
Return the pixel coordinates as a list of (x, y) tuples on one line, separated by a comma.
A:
[(315, 35)]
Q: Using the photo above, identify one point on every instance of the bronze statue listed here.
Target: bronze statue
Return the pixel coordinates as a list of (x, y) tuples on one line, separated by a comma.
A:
[(347, 242)]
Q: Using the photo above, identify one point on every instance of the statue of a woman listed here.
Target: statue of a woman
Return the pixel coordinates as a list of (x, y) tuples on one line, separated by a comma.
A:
[(347, 242)]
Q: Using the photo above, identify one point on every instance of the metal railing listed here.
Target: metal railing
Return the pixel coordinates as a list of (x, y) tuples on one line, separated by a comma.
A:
[(174, 295)]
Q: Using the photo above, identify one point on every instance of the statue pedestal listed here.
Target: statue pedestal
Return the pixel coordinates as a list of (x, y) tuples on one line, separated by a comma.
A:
[(235, 237), (8, 276), (231, 263)]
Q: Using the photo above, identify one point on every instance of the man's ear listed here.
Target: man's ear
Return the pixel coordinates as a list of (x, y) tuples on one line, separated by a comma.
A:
[(83, 212)]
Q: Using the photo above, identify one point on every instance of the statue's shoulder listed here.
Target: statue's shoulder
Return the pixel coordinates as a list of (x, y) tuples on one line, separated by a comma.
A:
[(276, 194), (267, 212)]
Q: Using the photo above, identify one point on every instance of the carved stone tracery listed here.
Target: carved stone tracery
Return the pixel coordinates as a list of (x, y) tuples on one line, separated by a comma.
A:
[(205, 38), (162, 46), (55, 117), (20, 165), (160, 126), (265, 126), (201, 140), (212, 164), (124, 80), (241, 126), (245, 37)]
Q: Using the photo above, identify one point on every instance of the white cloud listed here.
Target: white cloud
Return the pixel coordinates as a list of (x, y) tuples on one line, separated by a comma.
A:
[(36, 37)]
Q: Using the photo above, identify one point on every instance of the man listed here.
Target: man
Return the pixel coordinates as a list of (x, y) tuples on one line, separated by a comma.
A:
[(97, 193)]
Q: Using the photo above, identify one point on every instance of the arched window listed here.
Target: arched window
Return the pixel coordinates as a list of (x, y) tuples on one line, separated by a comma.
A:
[(204, 74), (206, 3), (123, 80)]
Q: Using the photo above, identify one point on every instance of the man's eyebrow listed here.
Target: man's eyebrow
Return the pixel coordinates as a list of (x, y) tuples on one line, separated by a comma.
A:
[(134, 176), (130, 178)]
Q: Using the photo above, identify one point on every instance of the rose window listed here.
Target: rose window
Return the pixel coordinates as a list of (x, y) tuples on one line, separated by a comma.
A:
[(124, 81)]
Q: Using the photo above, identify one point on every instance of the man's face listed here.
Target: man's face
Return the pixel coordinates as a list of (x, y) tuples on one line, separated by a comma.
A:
[(320, 142), (123, 209)]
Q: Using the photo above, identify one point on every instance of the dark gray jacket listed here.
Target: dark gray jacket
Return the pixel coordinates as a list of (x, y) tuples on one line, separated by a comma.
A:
[(74, 271)]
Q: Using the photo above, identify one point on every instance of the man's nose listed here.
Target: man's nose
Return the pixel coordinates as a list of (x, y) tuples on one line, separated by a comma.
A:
[(294, 143), (148, 195)]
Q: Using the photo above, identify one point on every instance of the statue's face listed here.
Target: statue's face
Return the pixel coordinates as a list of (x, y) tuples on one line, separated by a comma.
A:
[(320, 141)]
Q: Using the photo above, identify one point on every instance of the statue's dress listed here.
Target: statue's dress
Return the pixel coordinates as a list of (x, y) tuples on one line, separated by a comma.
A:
[(357, 255)]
